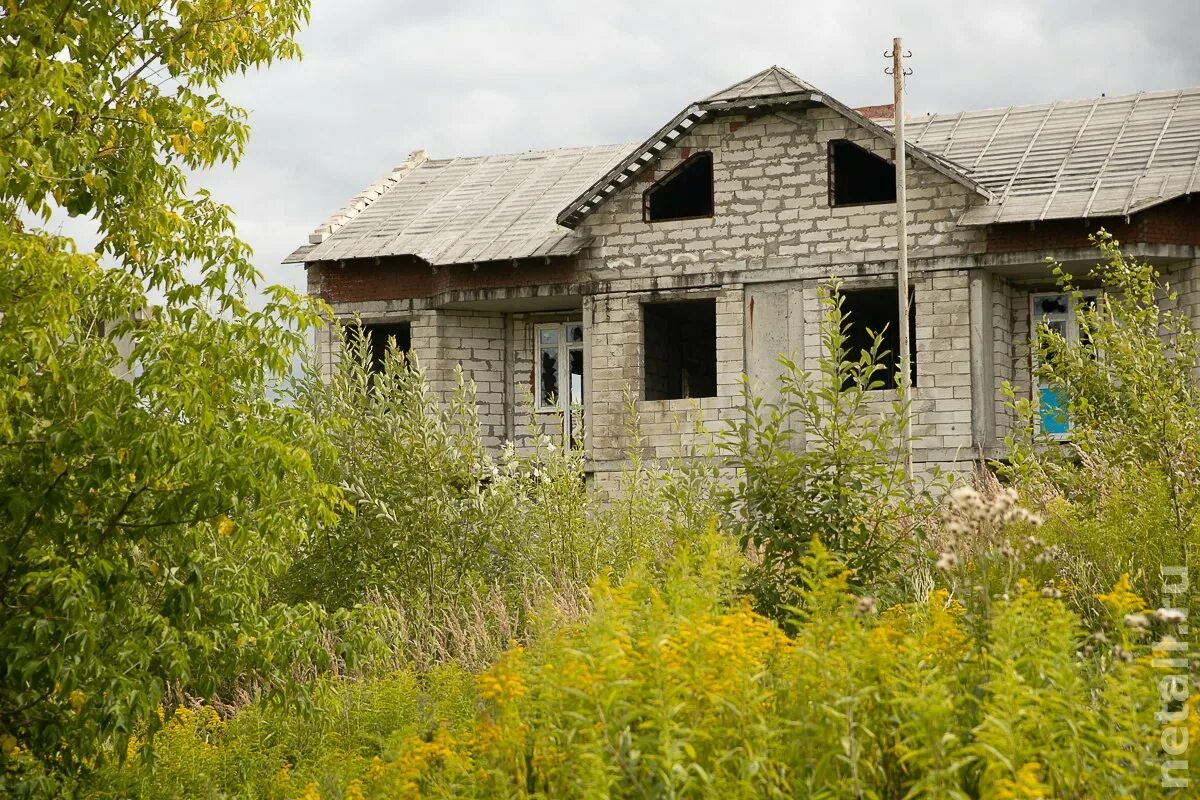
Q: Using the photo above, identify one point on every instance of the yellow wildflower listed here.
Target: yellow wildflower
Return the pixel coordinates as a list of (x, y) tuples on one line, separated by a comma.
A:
[(311, 792), (283, 777), (224, 525), (1025, 785), (354, 791), (501, 682), (1122, 599)]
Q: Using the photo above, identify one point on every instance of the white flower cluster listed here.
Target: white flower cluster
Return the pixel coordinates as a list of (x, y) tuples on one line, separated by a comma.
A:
[(975, 524), (969, 509)]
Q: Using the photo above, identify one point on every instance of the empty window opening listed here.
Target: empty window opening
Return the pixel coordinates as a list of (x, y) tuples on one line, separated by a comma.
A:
[(871, 312), (378, 338), (685, 193), (680, 349), (859, 177)]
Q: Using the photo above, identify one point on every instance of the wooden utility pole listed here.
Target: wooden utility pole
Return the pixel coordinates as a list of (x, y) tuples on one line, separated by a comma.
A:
[(905, 379)]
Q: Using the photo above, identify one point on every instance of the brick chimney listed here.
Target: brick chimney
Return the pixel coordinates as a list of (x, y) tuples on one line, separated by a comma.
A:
[(878, 112)]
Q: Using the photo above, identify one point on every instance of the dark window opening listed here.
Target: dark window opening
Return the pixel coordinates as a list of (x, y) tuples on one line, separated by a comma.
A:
[(680, 349), (871, 312), (685, 193), (378, 338), (859, 177)]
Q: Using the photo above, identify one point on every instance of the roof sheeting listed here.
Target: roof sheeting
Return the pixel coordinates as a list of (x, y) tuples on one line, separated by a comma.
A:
[(467, 210), (1108, 156)]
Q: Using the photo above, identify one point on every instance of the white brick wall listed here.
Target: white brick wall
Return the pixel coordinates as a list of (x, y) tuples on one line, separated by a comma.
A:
[(1005, 338)]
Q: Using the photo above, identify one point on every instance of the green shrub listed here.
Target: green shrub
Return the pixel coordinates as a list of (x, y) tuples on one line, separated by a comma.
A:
[(462, 545), (825, 460)]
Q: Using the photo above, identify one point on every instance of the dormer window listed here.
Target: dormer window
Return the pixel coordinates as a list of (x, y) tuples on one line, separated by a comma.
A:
[(858, 177), (686, 192)]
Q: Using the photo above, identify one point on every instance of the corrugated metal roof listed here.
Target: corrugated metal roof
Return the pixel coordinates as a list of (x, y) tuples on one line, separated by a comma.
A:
[(1107, 156), (466, 210)]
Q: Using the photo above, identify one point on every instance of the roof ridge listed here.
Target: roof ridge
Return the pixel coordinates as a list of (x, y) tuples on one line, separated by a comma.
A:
[(538, 151)]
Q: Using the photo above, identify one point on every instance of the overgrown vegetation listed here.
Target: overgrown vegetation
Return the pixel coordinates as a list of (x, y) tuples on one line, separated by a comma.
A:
[(1123, 494), (148, 493), (532, 639), (209, 593)]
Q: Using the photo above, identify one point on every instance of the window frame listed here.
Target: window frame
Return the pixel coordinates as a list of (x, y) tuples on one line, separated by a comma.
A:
[(564, 348), (367, 327), (665, 179), (893, 373), (1070, 333)]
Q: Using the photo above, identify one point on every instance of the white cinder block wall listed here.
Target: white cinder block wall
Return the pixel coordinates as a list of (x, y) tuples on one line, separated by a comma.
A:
[(773, 238)]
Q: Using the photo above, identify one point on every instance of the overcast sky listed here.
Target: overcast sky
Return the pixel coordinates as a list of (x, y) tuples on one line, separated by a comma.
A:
[(380, 78)]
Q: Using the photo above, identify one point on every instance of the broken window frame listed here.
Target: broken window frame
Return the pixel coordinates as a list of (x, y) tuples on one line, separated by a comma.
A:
[(662, 182), (831, 162), (1066, 322), (566, 341), (651, 308)]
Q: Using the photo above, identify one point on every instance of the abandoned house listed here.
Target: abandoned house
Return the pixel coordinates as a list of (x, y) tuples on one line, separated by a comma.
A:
[(670, 267)]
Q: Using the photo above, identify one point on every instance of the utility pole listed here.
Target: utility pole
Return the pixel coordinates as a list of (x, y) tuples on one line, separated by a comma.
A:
[(905, 379)]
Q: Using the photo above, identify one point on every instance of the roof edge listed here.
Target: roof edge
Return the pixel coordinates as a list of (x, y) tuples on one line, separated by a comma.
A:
[(643, 154), (361, 201)]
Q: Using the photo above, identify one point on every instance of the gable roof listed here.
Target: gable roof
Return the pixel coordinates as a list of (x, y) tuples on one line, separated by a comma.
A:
[(464, 210), (773, 87), (1105, 156)]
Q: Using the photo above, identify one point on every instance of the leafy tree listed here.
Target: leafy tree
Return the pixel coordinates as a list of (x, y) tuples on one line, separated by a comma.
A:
[(149, 486)]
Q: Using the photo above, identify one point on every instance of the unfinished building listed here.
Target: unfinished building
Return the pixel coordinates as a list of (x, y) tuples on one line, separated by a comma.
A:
[(671, 267)]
